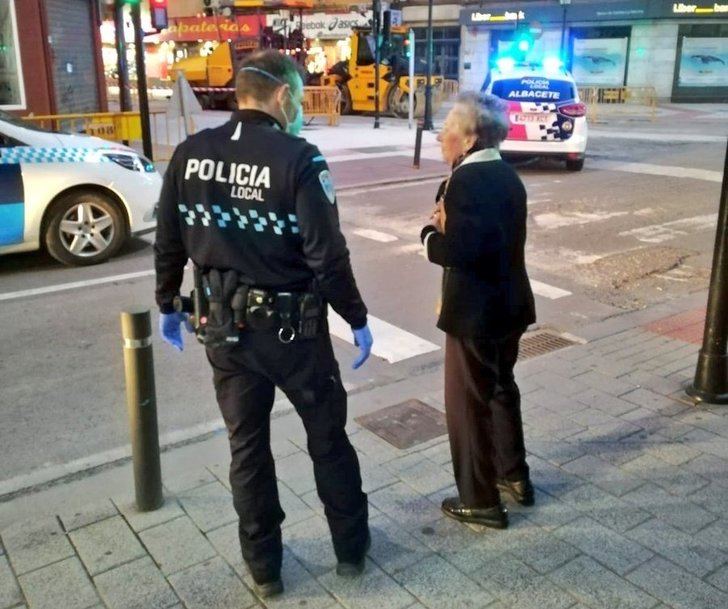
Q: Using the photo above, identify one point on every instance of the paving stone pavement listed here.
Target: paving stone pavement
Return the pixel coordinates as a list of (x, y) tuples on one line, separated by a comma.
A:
[(631, 488)]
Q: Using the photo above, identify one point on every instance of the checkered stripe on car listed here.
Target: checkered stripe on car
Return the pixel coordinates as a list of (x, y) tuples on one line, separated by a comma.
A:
[(31, 154)]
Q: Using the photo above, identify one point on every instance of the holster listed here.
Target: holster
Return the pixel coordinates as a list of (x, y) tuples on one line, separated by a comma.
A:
[(221, 327)]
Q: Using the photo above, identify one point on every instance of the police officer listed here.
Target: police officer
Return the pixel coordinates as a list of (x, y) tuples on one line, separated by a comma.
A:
[(253, 199)]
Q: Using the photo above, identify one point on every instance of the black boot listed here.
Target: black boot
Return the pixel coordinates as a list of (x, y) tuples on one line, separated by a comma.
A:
[(352, 569), (268, 589)]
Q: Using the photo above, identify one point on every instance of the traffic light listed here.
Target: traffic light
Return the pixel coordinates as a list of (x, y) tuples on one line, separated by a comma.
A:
[(158, 10)]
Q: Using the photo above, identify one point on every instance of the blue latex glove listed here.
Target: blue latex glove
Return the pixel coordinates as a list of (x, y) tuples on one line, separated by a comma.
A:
[(362, 339), (169, 328)]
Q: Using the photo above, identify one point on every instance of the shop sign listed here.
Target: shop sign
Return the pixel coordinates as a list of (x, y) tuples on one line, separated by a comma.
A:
[(273, 4), (190, 29), (505, 14), (324, 25), (691, 9)]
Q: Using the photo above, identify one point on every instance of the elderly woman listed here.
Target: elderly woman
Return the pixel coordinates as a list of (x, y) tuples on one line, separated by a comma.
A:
[(478, 236)]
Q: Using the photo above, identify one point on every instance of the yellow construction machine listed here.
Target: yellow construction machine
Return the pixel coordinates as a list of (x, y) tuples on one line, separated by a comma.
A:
[(212, 76), (355, 78)]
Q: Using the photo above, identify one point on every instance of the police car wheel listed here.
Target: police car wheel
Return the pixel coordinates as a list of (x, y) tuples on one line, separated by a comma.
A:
[(575, 165), (84, 228)]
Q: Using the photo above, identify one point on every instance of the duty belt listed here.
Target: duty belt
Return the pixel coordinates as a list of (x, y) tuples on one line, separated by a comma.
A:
[(222, 307)]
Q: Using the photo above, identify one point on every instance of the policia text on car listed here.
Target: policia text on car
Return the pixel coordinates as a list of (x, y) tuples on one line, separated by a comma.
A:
[(254, 208)]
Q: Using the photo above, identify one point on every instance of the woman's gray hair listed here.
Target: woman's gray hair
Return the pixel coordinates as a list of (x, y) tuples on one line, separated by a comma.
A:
[(484, 116)]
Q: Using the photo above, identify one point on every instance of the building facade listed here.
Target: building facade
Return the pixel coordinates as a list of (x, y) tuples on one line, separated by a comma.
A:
[(50, 57), (679, 48)]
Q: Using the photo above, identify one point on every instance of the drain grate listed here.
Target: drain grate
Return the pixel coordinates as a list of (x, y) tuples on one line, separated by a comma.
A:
[(405, 425), (540, 343)]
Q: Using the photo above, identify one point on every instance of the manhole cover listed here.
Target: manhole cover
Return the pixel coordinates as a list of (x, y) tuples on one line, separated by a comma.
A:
[(540, 343), (406, 424)]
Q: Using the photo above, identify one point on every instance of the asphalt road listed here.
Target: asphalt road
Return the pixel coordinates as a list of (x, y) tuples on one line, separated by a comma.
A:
[(634, 228)]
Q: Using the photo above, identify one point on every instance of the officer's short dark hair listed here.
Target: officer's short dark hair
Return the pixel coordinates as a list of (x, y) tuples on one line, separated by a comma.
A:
[(258, 86)]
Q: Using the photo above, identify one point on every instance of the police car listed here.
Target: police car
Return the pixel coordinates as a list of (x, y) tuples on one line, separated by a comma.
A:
[(78, 196), (545, 113)]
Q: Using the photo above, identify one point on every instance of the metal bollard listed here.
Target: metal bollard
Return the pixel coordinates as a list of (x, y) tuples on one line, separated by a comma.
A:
[(141, 401), (711, 375), (418, 145)]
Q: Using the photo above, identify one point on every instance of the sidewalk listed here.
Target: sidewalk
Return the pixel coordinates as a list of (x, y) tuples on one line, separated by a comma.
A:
[(632, 488)]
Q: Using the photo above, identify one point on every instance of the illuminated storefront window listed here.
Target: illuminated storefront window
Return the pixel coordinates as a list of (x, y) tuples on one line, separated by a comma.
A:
[(12, 90)]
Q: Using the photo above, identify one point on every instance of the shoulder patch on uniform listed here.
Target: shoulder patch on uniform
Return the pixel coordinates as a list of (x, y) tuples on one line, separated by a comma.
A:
[(327, 184)]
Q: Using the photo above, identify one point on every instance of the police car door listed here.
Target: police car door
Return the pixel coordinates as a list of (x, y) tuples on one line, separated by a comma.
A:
[(12, 196)]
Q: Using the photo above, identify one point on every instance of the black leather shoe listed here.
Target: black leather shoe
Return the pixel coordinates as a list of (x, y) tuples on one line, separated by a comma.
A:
[(352, 569), (520, 490), (494, 517), (268, 589)]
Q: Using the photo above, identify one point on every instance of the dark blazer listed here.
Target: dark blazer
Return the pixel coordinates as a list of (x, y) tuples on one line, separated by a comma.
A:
[(485, 288)]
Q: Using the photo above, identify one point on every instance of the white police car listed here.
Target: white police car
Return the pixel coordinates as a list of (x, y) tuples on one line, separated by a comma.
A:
[(80, 197), (545, 113)]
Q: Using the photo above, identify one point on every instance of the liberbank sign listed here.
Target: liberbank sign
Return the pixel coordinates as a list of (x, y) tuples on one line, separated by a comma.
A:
[(495, 15)]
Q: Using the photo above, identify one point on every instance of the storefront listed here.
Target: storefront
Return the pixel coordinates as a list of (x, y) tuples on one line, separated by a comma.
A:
[(327, 35), (50, 57), (680, 49), (193, 36)]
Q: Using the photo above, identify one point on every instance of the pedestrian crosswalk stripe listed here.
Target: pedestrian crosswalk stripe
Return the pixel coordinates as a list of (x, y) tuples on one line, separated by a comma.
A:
[(548, 291), (375, 235), (391, 343)]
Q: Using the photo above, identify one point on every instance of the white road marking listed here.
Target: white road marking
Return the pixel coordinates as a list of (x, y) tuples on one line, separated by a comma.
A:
[(413, 248), (555, 220), (657, 233), (548, 291), (74, 285), (358, 156), (375, 235), (390, 342), (656, 136), (658, 170)]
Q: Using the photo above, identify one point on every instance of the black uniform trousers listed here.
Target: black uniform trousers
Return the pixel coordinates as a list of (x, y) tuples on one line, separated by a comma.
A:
[(483, 411), (245, 378)]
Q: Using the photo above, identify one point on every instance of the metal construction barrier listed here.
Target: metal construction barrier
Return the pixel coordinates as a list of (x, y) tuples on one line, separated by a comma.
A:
[(606, 102), (322, 101), (118, 127), (450, 88)]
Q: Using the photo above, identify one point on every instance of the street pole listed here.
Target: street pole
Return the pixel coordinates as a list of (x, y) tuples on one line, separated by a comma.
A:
[(136, 18), (122, 66), (564, 4), (411, 111), (141, 401), (428, 126), (711, 375), (376, 13)]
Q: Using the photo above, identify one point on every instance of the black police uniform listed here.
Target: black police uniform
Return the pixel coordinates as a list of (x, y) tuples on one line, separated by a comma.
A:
[(247, 196)]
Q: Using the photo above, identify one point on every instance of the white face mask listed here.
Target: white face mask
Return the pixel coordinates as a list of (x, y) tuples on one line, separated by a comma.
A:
[(294, 126)]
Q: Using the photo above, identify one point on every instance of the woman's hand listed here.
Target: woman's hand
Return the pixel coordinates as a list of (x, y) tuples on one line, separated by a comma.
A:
[(442, 216)]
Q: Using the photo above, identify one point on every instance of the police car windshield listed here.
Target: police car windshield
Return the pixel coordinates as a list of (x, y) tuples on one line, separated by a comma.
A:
[(534, 88), (18, 122)]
